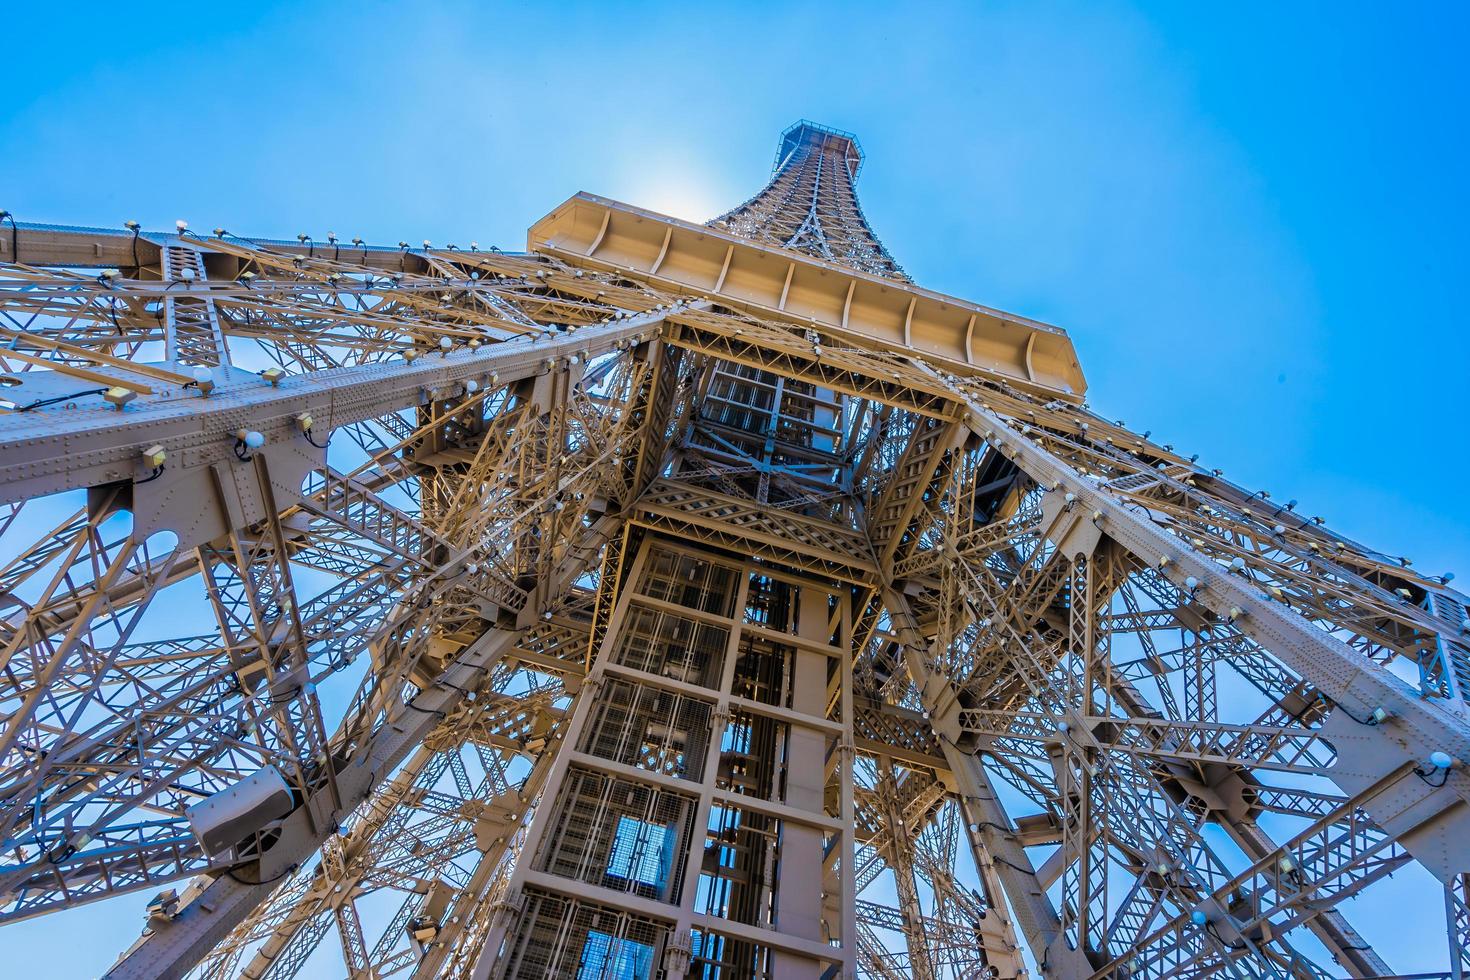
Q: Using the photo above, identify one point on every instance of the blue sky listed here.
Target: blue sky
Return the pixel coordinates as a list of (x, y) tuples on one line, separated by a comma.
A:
[(1250, 218)]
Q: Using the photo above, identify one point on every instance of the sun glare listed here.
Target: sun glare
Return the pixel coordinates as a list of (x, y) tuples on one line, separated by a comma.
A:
[(677, 192)]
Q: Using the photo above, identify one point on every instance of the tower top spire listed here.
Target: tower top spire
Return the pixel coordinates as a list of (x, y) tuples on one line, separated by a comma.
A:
[(841, 145), (811, 205)]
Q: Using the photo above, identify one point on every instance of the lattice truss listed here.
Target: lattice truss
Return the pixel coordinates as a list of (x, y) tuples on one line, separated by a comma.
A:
[(811, 203), (359, 517)]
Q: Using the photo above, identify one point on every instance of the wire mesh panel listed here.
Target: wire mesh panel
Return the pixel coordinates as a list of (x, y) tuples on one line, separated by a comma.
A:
[(571, 939), (619, 834), (662, 643), (690, 580), (661, 731)]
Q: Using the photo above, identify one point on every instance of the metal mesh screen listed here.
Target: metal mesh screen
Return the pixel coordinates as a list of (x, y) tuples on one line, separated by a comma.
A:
[(653, 729), (671, 646), (690, 580), (569, 939), (619, 834)]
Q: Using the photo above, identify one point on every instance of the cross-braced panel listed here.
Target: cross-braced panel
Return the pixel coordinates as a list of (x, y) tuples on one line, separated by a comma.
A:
[(525, 616)]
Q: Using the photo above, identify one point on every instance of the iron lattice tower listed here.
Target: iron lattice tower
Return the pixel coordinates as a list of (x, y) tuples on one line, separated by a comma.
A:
[(673, 600)]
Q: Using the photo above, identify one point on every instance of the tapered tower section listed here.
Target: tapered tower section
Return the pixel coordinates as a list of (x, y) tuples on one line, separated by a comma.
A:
[(674, 601), (811, 206)]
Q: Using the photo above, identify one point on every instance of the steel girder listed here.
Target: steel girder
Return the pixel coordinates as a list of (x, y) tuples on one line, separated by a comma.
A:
[(1219, 719)]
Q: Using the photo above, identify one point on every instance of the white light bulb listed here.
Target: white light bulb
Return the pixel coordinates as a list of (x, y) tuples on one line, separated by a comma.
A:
[(254, 439), (202, 374)]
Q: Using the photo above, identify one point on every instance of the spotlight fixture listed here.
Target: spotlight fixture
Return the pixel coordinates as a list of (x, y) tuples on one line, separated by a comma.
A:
[(203, 380), (117, 396)]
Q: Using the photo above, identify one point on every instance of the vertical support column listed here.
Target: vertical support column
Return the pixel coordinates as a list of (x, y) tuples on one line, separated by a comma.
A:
[(848, 750), (800, 903)]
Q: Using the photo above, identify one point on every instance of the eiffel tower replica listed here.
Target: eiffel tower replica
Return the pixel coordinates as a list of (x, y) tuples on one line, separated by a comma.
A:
[(673, 600)]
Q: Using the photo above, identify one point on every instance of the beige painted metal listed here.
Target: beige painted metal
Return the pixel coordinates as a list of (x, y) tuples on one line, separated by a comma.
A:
[(598, 233), (707, 599)]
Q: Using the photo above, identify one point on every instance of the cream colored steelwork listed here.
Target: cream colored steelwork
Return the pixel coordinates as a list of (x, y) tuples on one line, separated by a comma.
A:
[(788, 287), (674, 600)]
